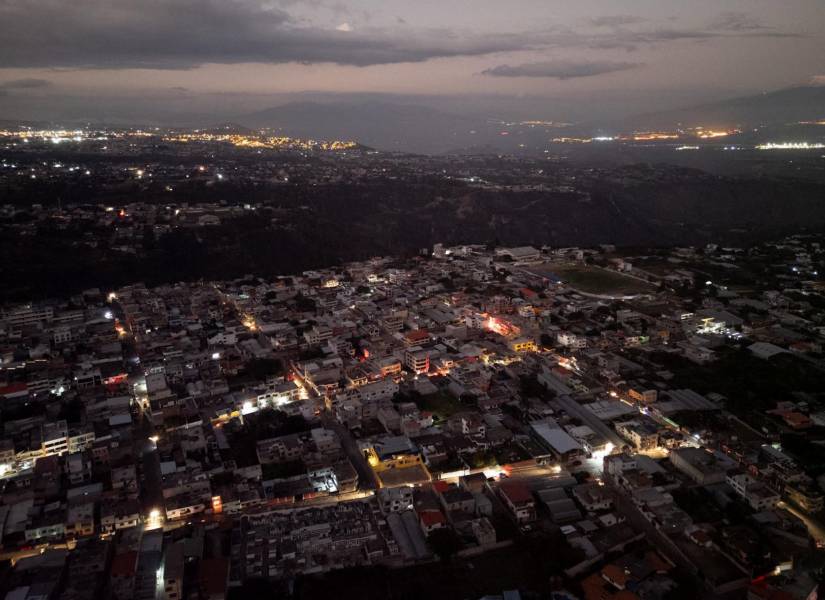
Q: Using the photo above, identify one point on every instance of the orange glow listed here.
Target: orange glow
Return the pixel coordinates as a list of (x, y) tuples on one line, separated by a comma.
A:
[(494, 325), (500, 326), (119, 329), (249, 322), (654, 135), (706, 135)]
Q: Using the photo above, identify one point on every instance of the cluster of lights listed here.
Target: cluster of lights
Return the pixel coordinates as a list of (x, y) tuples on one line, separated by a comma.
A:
[(53, 135), (651, 136), (791, 146), (709, 134), (249, 322), (259, 141)]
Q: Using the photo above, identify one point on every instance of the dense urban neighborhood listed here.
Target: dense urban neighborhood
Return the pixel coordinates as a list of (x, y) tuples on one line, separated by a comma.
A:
[(430, 300), (582, 422)]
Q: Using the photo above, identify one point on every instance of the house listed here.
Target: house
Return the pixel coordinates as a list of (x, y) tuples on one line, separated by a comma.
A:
[(457, 499), (642, 433), (702, 466), (758, 495), (117, 515), (593, 497), (518, 499), (395, 499), (80, 520), (430, 520), (483, 531)]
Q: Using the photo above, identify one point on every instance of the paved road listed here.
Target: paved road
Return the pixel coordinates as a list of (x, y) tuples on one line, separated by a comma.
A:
[(367, 479), (659, 540), (815, 529)]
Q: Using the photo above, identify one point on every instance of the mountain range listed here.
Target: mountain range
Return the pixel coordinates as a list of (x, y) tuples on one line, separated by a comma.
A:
[(388, 125)]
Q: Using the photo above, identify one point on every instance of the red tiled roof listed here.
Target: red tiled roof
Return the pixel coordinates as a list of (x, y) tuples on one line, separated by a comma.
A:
[(124, 565), (440, 486), (417, 335), (432, 517), (13, 388), (516, 492), (615, 575)]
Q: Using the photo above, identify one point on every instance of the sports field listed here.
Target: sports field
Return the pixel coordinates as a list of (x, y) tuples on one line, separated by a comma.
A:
[(593, 280)]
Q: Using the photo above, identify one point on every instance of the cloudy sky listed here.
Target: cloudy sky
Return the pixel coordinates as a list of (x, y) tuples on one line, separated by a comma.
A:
[(132, 49)]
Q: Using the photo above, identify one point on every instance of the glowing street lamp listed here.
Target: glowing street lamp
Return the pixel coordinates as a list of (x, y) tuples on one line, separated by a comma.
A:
[(155, 519)]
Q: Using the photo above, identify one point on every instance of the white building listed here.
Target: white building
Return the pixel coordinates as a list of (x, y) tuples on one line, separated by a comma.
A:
[(755, 493)]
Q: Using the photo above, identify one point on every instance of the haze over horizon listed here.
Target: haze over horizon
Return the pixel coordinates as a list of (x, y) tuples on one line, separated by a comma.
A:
[(192, 62)]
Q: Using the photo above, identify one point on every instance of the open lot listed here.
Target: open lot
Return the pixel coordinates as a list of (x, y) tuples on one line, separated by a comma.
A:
[(593, 280), (441, 404)]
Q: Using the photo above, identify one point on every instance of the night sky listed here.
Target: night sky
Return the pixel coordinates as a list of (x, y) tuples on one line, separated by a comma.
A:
[(53, 51)]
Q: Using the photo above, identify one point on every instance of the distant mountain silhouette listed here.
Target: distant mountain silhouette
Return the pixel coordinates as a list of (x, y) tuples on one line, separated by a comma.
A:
[(790, 105), (386, 126), (229, 127)]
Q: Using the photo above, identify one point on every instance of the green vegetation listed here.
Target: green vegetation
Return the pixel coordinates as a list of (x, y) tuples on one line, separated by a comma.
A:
[(805, 450), (593, 280), (444, 542), (510, 453), (261, 368), (481, 459), (750, 384), (441, 404)]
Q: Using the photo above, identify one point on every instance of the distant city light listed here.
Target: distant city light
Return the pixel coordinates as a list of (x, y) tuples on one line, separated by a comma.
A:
[(791, 146)]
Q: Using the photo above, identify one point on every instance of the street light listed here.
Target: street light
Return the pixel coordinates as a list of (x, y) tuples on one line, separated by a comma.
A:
[(155, 519)]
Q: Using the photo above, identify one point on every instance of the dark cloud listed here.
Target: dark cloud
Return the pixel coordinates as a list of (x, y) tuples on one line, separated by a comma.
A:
[(24, 84), (182, 34), (179, 34), (623, 35), (616, 20), (559, 69), (739, 22), (632, 40)]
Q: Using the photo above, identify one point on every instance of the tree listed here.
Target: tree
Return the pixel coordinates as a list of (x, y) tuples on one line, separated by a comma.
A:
[(482, 459), (444, 542), (304, 304), (261, 368)]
